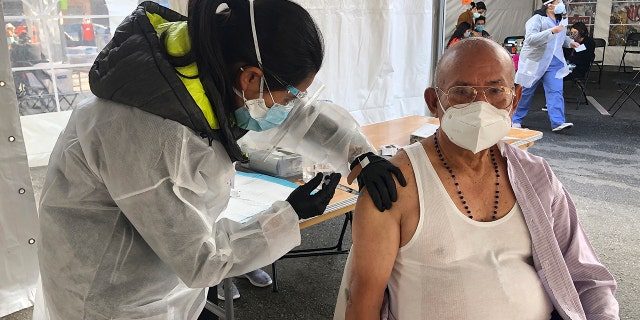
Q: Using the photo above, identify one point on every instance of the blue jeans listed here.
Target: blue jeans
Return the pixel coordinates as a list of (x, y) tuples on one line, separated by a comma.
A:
[(552, 92)]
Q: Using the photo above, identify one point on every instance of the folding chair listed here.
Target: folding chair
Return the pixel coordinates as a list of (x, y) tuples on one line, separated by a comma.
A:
[(627, 87), (581, 83), (226, 312), (630, 46), (41, 82), (580, 77), (599, 62)]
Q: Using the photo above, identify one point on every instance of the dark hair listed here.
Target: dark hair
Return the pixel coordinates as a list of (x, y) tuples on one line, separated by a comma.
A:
[(291, 45), (459, 32), (481, 18), (479, 5), (583, 32)]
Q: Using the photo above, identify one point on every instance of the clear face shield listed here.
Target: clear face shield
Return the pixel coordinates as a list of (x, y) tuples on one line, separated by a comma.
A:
[(314, 128)]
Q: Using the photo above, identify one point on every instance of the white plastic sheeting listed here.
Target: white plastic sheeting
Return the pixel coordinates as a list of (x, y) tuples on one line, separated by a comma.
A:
[(18, 217), (40, 133), (377, 57)]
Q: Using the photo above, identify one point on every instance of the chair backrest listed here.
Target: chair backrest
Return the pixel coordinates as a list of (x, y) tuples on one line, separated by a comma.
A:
[(632, 37), (512, 39), (39, 79), (600, 43)]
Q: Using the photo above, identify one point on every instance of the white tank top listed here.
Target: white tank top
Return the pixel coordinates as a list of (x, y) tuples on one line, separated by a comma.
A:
[(457, 268)]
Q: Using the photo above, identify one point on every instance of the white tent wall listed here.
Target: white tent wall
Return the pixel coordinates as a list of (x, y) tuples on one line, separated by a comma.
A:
[(377, 55), (18, 217)]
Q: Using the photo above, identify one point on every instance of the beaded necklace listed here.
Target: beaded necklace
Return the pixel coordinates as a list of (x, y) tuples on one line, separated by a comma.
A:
[(455, 181)]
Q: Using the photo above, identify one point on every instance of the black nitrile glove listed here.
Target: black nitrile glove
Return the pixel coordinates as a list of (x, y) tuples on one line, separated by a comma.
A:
[(377, 177), (309, 205)]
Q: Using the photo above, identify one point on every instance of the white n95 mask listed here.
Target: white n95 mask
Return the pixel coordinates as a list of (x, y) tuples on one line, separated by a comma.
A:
[(476, 126)]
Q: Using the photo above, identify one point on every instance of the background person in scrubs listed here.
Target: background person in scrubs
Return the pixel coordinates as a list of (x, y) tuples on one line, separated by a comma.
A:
[(542, 59)]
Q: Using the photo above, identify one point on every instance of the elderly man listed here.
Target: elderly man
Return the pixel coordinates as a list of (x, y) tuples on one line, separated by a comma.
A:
[(483, 230)]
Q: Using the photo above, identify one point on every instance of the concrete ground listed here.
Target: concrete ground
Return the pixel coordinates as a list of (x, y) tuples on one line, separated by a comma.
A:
[(598, 161)]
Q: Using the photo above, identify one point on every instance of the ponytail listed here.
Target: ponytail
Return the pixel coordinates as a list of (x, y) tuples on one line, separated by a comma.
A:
[(206, 43)]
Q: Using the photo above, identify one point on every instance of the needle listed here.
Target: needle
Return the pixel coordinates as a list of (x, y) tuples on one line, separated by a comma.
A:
[(347, 189)]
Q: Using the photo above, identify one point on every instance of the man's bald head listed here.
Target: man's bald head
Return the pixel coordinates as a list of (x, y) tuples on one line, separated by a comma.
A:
[(475, 62), (471, 52)]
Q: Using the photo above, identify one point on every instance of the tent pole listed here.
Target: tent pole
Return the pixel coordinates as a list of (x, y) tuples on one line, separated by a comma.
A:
[(438, 29)]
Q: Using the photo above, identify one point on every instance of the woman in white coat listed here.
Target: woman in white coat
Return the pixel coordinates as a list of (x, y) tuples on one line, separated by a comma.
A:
[(542, 59)]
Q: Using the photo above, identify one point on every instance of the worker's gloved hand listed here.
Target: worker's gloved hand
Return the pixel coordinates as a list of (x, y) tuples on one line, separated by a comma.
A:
[(377, 176), (309, 205)]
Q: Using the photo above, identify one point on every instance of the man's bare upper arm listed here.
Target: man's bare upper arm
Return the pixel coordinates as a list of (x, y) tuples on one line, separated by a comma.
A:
[(376, 240)]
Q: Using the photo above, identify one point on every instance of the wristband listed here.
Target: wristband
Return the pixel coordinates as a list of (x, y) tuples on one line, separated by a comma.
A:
[(355, 171)]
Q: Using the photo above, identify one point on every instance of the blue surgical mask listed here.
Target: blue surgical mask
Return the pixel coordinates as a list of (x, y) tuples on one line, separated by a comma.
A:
[(467, 34), (274, 117), (479, 28), (256, 116), (560, 9), (476, 15)]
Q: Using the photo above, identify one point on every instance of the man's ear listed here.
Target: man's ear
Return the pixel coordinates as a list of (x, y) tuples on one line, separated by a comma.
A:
[(249, 79), (432, 100), (516, 98)]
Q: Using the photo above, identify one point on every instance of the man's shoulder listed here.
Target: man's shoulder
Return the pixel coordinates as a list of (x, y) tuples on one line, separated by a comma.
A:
[(408, 194), (527, 163), (522, 155)]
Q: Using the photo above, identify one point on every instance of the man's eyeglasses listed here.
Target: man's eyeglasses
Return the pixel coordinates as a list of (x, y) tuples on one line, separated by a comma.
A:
[(461, 96)]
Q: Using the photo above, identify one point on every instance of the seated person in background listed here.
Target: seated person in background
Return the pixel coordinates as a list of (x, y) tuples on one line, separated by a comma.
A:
[(476, 10), (463, 31), (581, 59), (483, 230), (24, 53), (479, 31), (11, 34)]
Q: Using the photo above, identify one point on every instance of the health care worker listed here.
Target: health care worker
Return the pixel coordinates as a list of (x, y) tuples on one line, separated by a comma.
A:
[(542, 59), (139, 176)]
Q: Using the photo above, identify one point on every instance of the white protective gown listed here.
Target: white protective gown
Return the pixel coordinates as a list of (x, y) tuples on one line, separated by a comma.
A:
[(136, 239), (540, 46)]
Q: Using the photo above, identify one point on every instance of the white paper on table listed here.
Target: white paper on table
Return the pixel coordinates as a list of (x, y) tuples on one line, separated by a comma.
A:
[(253, 194), (426, 130), (581, 47)]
